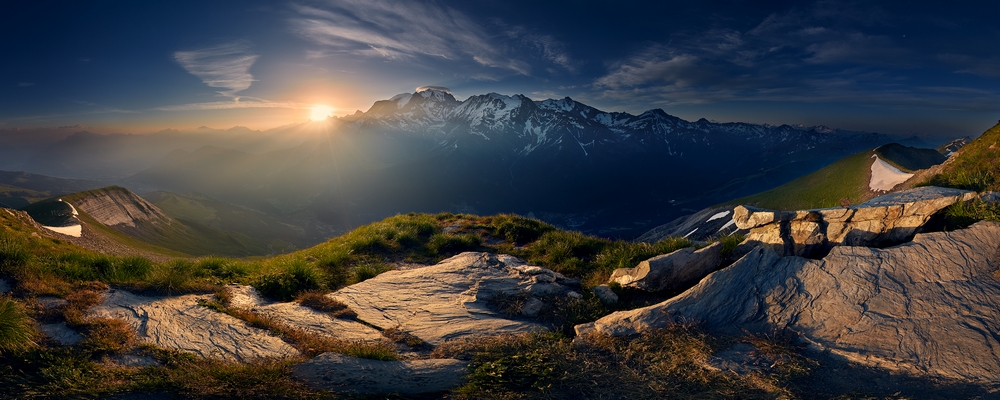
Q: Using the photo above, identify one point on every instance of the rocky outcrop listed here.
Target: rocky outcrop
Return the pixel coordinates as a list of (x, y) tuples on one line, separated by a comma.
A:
[(703, 225), (460, 296), (179, 323), (883, 221), (674, 271), (930, 306), (345, 374), (114, 205), (304, 318)]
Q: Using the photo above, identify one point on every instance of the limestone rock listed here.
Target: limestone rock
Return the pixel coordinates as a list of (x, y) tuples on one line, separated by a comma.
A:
[(702, 225), (179, 323), (677, 270), (453, 298), (305, 318), (605, 294), (345, 374), (60, 333), (118, 206), (931, 306), (885, 220)]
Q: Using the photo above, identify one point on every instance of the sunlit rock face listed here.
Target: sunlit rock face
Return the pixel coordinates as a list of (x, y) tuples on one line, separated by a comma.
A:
[(457, 297), (926, 307), (885, 220), (180, 323), (677, 270), (118, 206)]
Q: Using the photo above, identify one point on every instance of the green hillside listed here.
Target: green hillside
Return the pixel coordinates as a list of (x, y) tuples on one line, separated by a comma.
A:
[(976, 166), (278, 235), (164, 235), (844, 179), (909, 159)]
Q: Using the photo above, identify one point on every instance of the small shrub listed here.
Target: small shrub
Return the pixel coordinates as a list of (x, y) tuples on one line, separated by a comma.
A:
[(109, 335), (566, 252), (397, 335), (297, 277), (13, 251), (175, 277), (729, 244), (369, 269), (448, 243), (219, 267), (517, 229), (16, 332), (318, 301)]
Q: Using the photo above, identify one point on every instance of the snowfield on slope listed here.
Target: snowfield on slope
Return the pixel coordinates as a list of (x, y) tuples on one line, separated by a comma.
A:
[(885, 176)]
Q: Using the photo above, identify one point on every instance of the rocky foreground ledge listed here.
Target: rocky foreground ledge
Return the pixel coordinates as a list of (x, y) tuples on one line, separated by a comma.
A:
[(930, 306)]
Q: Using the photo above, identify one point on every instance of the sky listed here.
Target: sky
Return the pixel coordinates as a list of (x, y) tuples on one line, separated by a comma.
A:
[(907, 67)]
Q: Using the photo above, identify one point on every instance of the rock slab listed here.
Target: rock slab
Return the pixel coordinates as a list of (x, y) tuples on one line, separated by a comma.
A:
[(677, 270), (304, 318), (885, 220), (455, 297), (930, 306), (179, 323), (346, 374)]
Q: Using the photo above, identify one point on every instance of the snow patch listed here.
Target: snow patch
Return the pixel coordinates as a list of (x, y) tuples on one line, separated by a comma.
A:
[(72, 230), (728, 224), (717, 216), (689, 233), (885, 176)]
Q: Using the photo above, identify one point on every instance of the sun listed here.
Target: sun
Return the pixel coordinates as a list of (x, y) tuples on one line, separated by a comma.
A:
[(320, 113)]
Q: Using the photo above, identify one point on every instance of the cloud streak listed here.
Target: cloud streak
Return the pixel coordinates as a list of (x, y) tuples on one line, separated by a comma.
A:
[(403, 31), (232, 105), (226, 66)]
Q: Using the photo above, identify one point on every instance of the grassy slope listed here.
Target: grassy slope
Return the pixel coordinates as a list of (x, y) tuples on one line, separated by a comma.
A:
[(847, 178), (171, 237), (976, 166), (909, 159), (844, 179), (205, 211)]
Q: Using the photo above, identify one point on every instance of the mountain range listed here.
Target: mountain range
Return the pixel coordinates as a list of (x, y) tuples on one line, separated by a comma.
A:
[(609, 173)]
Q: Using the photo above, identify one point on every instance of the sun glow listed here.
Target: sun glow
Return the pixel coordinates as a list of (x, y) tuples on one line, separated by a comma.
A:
[(319, 113)]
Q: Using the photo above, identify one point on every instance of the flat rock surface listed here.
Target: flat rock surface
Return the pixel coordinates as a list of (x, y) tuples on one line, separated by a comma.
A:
[(179, 323), (345, 374), (60, 333), (452, 299), (305, 318), (930, 306)]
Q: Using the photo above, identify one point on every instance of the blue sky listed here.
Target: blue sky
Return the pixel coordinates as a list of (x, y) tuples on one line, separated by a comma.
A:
[(891, 67)]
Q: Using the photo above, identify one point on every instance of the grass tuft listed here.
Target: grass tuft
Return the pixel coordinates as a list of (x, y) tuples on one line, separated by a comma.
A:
[(16, 331)]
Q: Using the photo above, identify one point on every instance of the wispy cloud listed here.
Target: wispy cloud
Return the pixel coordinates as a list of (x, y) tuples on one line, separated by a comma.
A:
[(402, 30), (815, 53), (226, 66), (25, 84), (231, 105)]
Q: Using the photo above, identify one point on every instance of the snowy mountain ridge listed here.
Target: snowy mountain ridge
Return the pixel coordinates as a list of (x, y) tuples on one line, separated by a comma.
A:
[(524, 125)]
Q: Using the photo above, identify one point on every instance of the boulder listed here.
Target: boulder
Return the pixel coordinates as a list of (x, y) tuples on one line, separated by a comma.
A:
[(179, 323), (931, 306), (304, 318), (605, 294), (455, 298), (883, 221), (346, 374), (674, 271)]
